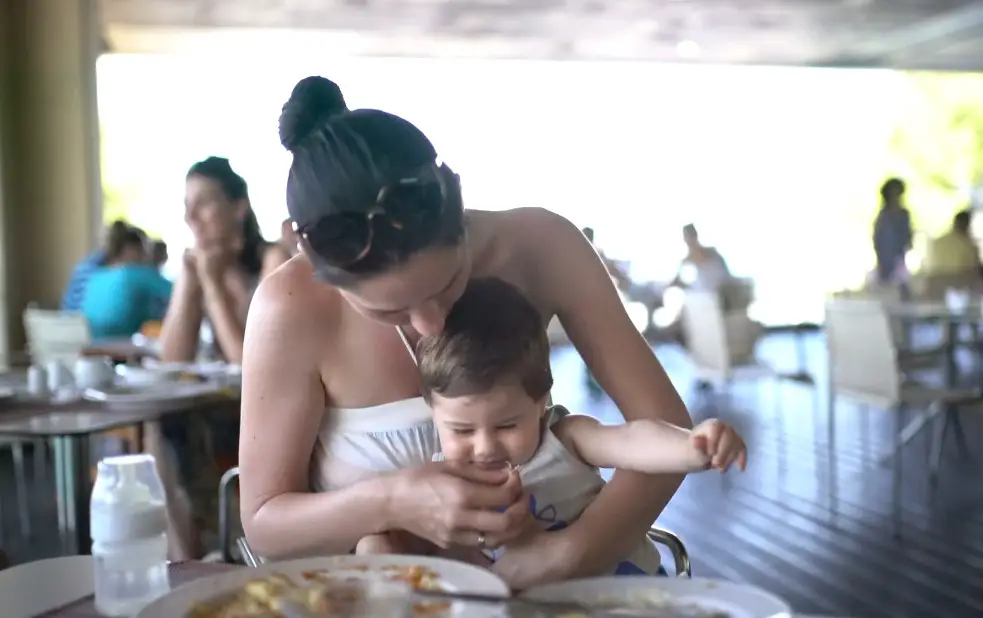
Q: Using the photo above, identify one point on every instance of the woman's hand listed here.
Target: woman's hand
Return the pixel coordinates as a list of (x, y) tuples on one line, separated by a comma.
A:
[(537, 557), (455, 504), (212, 262)]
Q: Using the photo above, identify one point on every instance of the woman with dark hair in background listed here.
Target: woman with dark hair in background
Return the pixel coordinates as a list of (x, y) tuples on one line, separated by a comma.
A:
[(892, 233), (331, 393), (218, 277), (221, 272), (127, 290)]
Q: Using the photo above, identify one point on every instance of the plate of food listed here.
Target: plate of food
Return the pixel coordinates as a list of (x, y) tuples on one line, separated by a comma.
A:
[(332, 587), (668, 597), (135, 395)]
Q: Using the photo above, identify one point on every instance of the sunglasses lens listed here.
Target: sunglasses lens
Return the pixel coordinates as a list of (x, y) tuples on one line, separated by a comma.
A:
[(340, 240)]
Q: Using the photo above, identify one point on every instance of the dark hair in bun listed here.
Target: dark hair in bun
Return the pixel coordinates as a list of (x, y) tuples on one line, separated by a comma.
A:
[(342, 161), (313, 99)]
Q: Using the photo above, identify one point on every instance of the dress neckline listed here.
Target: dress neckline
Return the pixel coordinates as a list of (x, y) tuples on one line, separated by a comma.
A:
[(407, 345)]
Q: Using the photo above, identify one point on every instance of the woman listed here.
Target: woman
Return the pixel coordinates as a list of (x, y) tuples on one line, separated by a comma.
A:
[(127, 290), (224, 267), (331, 393), (892, 233), (217, 281)]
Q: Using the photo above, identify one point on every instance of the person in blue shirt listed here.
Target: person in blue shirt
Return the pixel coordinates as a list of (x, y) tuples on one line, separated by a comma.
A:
[(75, 290), (126, 291)]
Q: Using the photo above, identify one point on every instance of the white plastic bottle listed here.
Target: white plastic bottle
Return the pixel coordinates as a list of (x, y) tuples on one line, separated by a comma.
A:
[(129, 535)]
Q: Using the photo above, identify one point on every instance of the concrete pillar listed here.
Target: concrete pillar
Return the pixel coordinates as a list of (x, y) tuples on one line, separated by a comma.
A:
[(50, 184)]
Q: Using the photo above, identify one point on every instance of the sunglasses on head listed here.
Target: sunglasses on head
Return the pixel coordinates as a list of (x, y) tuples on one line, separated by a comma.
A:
[(409, 204)]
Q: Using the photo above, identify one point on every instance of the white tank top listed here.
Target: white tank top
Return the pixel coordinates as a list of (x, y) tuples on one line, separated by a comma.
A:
[(358, 443), (561, 487)]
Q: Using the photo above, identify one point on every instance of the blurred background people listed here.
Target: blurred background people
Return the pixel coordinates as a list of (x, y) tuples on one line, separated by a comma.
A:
[(892, 234), (126, 290)]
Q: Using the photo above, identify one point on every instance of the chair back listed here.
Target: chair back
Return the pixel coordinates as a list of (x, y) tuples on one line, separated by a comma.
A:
[(55, 335), (863, 354), (706, 331)]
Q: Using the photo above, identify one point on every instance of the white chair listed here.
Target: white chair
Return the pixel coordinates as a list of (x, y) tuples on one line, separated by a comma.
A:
[(55, 335), (865, 365), (720, 344)]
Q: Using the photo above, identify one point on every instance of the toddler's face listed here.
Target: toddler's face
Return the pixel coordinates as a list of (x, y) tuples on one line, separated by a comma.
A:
[(491, 429)]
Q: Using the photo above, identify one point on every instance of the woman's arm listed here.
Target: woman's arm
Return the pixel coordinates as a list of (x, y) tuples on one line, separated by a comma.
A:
[(224, 313), (180, 331), (594, 317), (224, 302), (645, 445), (283, 403)]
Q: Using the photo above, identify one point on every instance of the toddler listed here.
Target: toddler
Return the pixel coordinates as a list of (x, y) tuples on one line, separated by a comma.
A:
[(487, 377)]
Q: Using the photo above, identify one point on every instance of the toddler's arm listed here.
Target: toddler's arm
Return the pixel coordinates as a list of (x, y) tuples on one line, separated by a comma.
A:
[(652, 447)]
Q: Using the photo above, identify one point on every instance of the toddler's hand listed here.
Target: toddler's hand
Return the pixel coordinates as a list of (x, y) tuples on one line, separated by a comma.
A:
[(721, 443)]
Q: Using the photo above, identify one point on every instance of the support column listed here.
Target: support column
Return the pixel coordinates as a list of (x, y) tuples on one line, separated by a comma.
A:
[(50, 183)]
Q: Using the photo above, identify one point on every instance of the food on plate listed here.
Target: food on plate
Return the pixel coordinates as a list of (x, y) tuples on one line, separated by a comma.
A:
[(326, 594)]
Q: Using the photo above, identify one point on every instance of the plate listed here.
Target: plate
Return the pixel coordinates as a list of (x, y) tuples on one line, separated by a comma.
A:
[(143, 376), (69, 579), (173, 391), (736, 600), (454, 576)]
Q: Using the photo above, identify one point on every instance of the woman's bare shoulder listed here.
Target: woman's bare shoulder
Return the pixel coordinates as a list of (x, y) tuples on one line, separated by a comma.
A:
[(291, 300), (528, 233)]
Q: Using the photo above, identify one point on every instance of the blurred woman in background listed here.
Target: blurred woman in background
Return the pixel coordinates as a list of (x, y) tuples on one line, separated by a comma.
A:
[(220, 273), (218, 277), (126, 290)]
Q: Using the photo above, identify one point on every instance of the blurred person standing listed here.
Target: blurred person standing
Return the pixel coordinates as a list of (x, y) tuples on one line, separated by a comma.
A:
[(892, 234)]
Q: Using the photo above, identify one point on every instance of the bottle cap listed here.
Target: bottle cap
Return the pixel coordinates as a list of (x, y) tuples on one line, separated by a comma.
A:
[(128, 500)]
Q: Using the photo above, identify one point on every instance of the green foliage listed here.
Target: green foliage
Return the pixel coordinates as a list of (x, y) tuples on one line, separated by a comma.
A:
[(937, 146)]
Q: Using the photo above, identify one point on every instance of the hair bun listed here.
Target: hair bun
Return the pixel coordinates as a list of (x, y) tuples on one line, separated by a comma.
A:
[(313, 100)]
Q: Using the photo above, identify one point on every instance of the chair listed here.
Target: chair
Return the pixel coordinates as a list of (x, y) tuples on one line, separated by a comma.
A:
[(661, 537), (720, 343), (865, 365), (55, 335)]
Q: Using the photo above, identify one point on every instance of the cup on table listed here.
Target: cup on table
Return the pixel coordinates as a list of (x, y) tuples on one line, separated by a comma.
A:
[(94, 372)]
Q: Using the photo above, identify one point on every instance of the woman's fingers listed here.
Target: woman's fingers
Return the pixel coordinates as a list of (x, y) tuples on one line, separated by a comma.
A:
[(491, 528)]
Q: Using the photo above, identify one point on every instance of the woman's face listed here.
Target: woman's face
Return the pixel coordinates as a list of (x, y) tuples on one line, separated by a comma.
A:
[(212, 217), (419, 293)]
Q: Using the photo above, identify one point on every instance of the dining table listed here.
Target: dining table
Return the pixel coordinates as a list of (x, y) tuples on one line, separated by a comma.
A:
[(179, 573), (71, 594), (69, 426)]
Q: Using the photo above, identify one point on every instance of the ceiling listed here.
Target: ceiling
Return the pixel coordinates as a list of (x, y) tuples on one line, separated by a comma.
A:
[(911, 34)]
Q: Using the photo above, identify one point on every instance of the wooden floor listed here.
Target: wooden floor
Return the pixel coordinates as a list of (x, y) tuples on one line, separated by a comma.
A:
[(776, 526)]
